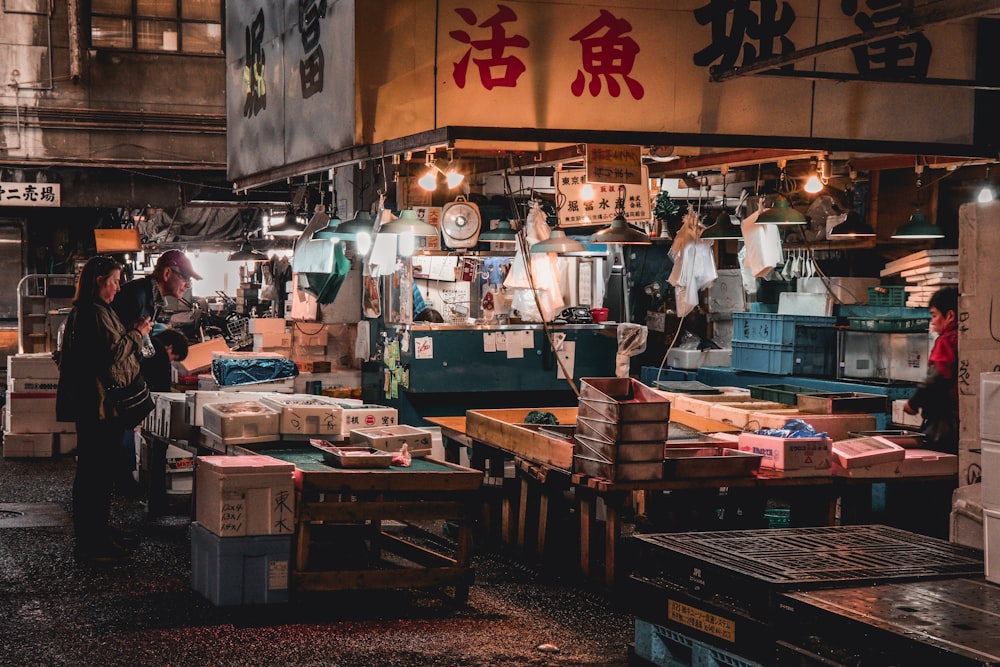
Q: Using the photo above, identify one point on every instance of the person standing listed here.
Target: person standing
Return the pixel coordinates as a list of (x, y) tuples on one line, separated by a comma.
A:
[(98, 353), (170, 345), (936, 398), (145, 297)]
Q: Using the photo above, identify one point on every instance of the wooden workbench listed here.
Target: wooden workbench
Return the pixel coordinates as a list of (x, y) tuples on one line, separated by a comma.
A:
[(345, 509)]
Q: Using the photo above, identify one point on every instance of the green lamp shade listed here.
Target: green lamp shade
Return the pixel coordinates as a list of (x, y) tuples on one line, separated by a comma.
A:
[(918, 228), (408, 223), (781, 212), (330, 231), (247, 253), (502, 232), (559, 243), (619, 232), (723, 229), (362, 222), (853, 227)]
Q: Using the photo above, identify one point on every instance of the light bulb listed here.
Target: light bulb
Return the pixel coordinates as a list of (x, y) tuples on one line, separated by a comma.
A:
[(407, 244), (986, 195), (454, 178), (429, 180), (813, 185), (364, 242), (587, 192)]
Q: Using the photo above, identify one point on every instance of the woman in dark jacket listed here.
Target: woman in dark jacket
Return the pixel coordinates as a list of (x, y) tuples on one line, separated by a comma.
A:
[(98, 352)]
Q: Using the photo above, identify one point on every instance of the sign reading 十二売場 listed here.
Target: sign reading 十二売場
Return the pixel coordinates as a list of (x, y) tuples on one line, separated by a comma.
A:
[(29, 194)]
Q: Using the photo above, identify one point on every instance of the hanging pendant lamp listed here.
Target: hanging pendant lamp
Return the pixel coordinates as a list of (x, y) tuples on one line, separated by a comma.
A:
[(918, 228), (247, 253), (619, 231), (559, 243), (853, 227), (362, 222), (502, 232), (408, 223), (291, 225), (781, 211)]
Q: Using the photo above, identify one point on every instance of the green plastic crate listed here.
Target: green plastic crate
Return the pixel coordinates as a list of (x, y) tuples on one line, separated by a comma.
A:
[(886, 295), (778, 393), (889, 323)]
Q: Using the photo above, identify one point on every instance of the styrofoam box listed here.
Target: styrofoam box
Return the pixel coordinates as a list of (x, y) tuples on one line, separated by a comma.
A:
[(900, 417), (844, 290), (364, 416), (240, 570), (726, 294), (244, 419), (915, 463), (805, 303), (392, 438), (32, 412), (31, 385), (989, 406), (178, 460), (28, 445), (244, 495), (991, 473), (991, 544), (195, 402), (695, 359), (799, 456), (267, 325), (967, 516), (305, 414), (271, 340), (860, 452), (65, 443), (35, 365), (167, 418)]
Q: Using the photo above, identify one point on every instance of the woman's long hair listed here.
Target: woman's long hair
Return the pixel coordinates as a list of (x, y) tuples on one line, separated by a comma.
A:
[(86, 286)]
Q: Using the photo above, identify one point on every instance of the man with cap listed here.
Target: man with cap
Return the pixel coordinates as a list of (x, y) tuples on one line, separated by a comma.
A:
[(143, 299)]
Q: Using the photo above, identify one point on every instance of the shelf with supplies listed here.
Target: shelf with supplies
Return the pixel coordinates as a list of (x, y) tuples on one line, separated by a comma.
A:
[(43, 302)]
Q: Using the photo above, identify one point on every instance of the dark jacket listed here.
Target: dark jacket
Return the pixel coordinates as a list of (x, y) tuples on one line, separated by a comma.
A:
[(937, 396), (97, 353), (135, 301)]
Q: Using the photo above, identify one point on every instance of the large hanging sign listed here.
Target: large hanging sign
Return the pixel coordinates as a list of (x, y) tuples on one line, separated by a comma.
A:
[(614, 164), (29, 194), (582, 203)]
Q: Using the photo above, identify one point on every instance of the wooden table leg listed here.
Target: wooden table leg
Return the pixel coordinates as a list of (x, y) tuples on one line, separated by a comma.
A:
[(543, 521), (522, 513), (612, 531), (586, 509)]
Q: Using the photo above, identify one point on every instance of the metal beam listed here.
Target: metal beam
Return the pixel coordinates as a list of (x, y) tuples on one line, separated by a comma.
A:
[(876, 78), (913, 20)]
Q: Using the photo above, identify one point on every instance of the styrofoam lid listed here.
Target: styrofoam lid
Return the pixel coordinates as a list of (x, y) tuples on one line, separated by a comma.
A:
[(252, 463)]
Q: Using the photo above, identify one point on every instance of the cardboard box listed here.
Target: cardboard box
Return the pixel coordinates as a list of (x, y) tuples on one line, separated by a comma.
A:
[(792, 456), (28, 445), (36, 365), (34, 412), (240, 570), (304, 336), (241, 421), (271, 340), (392, 438), (33, 385), (836, 427), (915, 463), (991, 544), (305, 414), (990, 452), (989, 406), (239, 496), (199, 357), (267, 325), (363, 416)]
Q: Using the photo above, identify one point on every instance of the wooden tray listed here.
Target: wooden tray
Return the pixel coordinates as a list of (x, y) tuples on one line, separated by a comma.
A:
[(682, 462), (842, 402), (505, 429)]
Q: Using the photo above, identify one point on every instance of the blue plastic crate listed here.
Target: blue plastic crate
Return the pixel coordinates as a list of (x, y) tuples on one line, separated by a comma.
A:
[(804, 330), (776, 359)]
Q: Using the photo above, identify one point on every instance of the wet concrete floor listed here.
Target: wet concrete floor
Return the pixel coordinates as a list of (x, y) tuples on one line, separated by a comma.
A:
[(145, 613)]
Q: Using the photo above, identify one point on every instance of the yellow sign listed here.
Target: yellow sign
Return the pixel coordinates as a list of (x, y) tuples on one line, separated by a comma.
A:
[(614, 164), (700, 620)]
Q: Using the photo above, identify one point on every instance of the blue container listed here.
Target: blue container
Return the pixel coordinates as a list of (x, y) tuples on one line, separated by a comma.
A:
[(802, 330), (240, 570), (777, 359)]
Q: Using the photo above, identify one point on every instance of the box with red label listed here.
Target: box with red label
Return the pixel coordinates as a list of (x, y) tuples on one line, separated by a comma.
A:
[(392, 439), (304, 414), (365, 416), (801, 457)]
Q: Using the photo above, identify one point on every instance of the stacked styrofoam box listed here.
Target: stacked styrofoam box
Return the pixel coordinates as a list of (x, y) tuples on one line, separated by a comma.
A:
[(725, 296), (167, 419), (30, 426), (306, 415), (989, 442), (242, 537), (269, 335), (195, 402), (229, 424), (355, 414)]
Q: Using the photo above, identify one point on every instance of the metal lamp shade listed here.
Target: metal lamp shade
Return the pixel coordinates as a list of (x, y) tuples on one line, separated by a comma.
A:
[(408, 223), (247, 253), (781, 212), (619, 232), (723, 229), (918, 228), (362, 222), (502, 232), (853, 227), (289, 226), (558, 243), (330, 231)]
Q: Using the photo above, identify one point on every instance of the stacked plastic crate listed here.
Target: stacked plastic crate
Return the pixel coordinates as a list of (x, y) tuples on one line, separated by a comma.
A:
[(784, 344)]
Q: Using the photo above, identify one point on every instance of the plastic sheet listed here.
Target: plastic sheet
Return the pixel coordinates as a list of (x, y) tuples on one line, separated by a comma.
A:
[(229, 372)]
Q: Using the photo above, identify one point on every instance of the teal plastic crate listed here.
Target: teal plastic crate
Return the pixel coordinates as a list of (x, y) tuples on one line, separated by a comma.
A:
[(905, 324), (778, 393), (776, 359), (887, 295), (802, 330)]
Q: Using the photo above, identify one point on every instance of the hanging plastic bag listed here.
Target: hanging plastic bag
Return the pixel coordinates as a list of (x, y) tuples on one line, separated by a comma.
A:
[(631, 341)]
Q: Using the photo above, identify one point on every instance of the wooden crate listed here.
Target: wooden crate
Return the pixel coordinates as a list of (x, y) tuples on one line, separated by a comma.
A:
[(505, 429)]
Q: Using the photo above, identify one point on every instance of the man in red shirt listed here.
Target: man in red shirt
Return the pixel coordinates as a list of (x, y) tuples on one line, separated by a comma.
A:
[(936, 398)]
